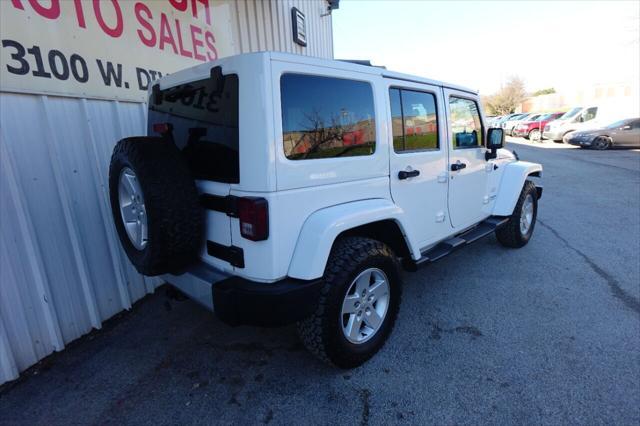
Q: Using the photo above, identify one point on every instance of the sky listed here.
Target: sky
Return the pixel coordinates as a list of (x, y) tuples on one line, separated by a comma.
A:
[(479, 44)]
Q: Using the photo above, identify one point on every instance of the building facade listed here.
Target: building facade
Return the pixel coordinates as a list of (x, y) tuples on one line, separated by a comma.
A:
[(73, 82)]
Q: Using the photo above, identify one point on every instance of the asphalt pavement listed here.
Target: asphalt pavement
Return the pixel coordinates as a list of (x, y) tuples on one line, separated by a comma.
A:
[(547, 334)]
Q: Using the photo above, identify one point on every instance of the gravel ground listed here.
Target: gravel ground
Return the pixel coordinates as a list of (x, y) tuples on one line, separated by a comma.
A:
[(547, 334)]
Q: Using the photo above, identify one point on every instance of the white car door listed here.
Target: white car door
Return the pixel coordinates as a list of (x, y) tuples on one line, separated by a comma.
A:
[(468, 168), (418, 158)]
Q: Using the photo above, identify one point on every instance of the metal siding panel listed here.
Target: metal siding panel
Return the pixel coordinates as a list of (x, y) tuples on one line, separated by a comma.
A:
[(277, 25), (61, 262), (261, 26), (72, 218), (8, 367), (241, 23), (269, 24), (252, 27)]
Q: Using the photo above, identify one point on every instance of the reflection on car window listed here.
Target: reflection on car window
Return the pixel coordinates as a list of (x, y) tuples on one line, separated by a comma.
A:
[(324, 117), (465, 123), (413, 120)]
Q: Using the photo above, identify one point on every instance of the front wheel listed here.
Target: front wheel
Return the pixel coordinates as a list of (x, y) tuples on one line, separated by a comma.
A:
[(601, 143), (518, 230), (534, 135), (358, 306)]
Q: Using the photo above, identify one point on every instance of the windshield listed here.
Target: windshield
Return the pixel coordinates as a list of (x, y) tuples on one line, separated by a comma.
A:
[(570, 113), (533, 117), (544, 117)]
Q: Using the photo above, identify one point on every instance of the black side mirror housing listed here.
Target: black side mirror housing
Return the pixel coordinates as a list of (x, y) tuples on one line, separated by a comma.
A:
[(495, 141)]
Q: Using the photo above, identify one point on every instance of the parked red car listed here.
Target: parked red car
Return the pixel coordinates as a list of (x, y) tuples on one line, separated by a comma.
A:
[(532, 129)]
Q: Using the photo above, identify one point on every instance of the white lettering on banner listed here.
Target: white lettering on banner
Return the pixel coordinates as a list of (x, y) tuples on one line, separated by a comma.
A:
[(107, 49)]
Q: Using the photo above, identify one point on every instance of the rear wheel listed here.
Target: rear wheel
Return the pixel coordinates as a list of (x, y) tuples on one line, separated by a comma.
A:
[(518, 230), (601, 143), (358, 306)]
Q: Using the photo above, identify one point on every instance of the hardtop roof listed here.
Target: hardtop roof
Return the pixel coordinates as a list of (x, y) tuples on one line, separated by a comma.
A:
[(350, 66), (198, 71)]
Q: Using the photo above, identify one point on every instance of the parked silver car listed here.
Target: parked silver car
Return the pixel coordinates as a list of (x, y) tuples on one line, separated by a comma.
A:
[(620, 133), (510, 123)]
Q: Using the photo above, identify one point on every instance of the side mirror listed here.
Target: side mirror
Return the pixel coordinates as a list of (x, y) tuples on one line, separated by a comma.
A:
[(495, 141)]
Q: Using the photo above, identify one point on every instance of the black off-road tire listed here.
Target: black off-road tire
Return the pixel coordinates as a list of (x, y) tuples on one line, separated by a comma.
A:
[(322, 332), (174, 217), (509, 235)]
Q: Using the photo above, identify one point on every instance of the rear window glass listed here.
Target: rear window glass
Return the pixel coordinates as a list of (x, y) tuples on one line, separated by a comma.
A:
[(325, 117), (204, 126)]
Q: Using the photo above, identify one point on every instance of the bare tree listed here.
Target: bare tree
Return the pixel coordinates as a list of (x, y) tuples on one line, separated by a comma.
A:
[(319, 134), (508, 98)]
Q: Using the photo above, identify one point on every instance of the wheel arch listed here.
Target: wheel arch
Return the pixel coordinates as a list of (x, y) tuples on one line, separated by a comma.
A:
[(511, 184), (378, 219)]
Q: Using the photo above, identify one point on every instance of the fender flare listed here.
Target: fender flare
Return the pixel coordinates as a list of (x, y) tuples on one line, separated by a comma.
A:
[(513, 178), (322, 227)]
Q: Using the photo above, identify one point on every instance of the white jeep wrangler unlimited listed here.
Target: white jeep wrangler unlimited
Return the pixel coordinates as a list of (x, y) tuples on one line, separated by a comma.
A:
[(274, 188)]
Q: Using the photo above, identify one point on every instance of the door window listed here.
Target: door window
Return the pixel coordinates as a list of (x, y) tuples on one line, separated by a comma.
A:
[(588, 114), (466, 127), (413, 120), (325, 117)]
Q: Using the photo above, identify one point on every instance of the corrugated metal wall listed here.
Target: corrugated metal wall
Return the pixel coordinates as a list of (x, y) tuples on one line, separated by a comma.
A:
[(62, 270)]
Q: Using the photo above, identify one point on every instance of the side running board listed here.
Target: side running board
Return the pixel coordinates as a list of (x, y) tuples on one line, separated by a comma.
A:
[(448, 246)]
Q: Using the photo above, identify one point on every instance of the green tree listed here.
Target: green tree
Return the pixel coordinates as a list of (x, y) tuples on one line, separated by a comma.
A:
[(546, 91)]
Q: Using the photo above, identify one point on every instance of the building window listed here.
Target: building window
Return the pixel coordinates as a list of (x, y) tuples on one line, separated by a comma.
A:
[(324, 117), (414, 120), (466, 127)]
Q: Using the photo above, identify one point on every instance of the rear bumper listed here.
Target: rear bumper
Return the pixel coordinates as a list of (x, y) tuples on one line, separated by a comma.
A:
[(552, 135), (239, 301)]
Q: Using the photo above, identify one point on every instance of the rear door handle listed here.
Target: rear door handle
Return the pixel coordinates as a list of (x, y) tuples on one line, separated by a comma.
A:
[(458, 166), (404, 174)]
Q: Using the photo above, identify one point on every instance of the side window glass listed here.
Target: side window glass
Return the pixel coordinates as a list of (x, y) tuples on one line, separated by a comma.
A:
[(325, 117), (589, 114), (396, 119), (466, 127), (413, 120)]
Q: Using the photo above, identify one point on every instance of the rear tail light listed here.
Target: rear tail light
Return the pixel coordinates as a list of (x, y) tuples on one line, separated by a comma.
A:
[(253, 213), (162, 128)]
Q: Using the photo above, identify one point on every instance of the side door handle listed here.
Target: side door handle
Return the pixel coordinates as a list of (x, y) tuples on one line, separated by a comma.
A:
[(458, 166), (408, 174)]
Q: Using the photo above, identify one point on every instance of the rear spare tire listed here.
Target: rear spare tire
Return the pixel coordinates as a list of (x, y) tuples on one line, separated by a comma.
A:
[(154, 202)]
